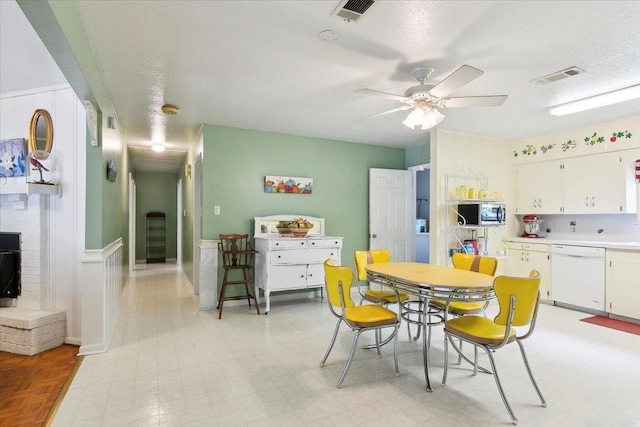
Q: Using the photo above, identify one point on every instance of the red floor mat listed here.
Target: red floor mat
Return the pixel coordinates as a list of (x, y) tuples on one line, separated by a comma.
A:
[(613, 324)]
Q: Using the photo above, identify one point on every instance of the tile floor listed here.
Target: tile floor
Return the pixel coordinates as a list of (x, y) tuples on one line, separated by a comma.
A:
[(170, 364)]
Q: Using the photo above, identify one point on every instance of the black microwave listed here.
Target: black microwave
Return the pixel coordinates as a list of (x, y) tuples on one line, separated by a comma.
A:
[(483, 214)]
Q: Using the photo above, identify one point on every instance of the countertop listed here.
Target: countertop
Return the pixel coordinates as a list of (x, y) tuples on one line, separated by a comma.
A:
[(606, 242)]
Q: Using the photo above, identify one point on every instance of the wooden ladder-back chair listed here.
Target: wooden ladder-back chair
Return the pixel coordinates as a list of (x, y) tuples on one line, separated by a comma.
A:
[(237, 255)]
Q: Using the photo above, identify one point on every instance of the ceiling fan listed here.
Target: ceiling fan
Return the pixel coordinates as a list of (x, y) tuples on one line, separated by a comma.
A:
[(424, 98)]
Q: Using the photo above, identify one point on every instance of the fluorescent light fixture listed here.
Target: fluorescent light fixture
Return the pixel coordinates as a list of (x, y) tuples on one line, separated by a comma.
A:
[(423, 117), (608, 98), (158, 148)]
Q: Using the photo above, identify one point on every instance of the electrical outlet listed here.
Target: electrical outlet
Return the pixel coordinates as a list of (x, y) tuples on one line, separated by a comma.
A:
[(216, 210)]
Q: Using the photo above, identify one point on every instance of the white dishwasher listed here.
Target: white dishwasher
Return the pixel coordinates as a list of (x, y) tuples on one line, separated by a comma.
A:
[(578, 275)]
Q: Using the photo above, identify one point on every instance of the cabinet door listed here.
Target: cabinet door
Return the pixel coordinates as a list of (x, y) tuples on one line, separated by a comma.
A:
[(525, 260), (577, 185), (315, 275), (539, 188), (287, 277), (594, 184), (540, 261), (623, 283)]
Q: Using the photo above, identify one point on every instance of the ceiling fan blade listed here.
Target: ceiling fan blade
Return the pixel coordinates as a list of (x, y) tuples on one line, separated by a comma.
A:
[(473, 101), (456, 80), (384, 113), (383, 94)]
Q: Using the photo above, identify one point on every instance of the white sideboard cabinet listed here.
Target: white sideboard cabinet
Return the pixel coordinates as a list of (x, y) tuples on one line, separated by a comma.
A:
[(285, 262)]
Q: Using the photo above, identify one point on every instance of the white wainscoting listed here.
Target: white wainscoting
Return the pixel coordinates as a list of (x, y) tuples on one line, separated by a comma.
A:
[(208, 274), (101, 292)]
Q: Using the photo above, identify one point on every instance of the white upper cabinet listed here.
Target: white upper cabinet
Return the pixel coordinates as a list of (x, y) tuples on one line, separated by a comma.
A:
[(595, 184), (539, 188)]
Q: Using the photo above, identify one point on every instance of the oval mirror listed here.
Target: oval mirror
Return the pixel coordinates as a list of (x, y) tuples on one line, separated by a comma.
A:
[(41, 131)]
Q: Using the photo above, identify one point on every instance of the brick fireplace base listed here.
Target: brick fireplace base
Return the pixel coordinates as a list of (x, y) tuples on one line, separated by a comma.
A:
[(29, 332)]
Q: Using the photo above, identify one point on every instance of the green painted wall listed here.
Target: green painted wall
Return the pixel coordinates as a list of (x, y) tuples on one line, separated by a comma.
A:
[(156, 192), (418, 155), (93, 217), (188, 185), (107, 204), (236, 162)]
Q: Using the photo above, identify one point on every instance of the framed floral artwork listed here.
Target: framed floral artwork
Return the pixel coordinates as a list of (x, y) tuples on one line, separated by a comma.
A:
[(12, 157), (288, 184)]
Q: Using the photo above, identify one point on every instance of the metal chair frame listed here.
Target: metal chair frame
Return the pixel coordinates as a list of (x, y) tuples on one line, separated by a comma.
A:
[(345, 301), (508, 338)]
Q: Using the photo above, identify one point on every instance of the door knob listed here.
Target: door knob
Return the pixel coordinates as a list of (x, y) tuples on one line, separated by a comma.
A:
[(373, 236)]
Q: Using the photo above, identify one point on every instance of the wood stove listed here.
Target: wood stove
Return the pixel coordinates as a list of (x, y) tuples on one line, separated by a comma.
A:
[(10, 262)]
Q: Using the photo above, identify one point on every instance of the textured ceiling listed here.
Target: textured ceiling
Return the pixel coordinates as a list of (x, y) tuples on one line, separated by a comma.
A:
[(260, 64)]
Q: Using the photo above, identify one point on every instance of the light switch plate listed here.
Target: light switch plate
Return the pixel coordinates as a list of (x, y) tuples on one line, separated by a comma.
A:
[(216, 210)]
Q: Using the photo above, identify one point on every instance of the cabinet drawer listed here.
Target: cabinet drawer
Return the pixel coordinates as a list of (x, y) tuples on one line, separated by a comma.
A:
[(324, 243), (303, 256), (532, 247), (276, 245), (292, 256), (319, 256)]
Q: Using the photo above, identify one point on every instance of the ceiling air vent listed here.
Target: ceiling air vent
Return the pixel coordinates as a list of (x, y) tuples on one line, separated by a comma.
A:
[(352, 10), (569, 72)]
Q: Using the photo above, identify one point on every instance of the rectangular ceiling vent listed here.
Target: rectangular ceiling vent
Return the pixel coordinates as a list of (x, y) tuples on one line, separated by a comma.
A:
[(352, 10), (569, 72)]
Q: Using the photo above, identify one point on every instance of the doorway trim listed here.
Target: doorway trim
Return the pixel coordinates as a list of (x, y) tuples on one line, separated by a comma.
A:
[(197, 222), (415, 169), (179, 223), (132, 222)]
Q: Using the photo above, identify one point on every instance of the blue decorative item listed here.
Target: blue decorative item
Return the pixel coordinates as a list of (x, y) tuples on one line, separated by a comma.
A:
[(12, 157), (112, 170)]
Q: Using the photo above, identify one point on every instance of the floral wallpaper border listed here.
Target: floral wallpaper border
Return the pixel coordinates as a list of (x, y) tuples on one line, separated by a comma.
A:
[(570, 144)]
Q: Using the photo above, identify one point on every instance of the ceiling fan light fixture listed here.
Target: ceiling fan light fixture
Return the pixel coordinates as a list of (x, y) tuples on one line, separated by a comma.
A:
[(626, 94), (423, 118), (158, 148)]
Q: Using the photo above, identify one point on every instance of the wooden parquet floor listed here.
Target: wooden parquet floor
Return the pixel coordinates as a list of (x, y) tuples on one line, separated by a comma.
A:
[(30, 385)]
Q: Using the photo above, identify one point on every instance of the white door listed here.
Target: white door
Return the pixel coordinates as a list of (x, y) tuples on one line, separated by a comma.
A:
[(391, 217), (197, 223), (132, 223), (179, 224)]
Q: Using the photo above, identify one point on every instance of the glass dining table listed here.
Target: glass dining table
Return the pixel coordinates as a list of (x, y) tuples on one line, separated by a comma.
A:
[(431, 282)]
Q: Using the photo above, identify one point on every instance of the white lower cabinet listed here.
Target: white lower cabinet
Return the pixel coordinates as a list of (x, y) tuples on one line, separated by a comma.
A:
[(623, 283), (285, 263), (532, 256)]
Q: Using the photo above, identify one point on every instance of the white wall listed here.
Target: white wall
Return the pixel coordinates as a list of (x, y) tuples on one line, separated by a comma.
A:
[(65, 218), (460, 154)]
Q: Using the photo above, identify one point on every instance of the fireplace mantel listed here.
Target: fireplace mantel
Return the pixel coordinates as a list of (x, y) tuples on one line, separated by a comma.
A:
[(29, 189)]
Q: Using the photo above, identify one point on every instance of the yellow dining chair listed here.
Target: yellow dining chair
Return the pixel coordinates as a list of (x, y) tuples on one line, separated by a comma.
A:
[(359, 318), (381, 295), (480, 264), (519, 298)]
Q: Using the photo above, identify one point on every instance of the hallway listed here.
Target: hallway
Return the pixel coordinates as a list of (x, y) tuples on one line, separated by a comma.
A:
[(170, 364)]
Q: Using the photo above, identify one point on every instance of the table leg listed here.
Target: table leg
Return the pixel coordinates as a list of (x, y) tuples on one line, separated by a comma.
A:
[(425, 342)]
